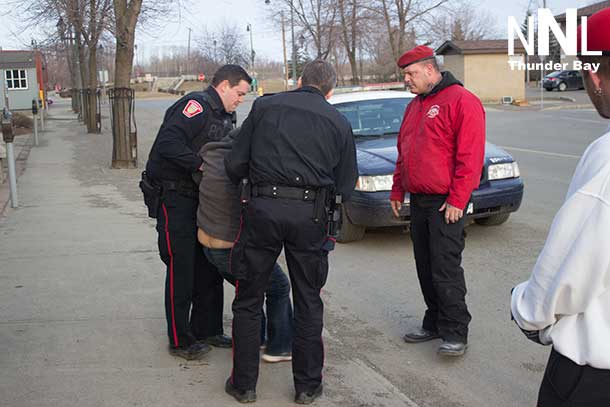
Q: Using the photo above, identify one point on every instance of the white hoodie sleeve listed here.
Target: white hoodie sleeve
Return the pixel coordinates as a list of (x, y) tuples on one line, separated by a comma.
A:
[(572, 269)]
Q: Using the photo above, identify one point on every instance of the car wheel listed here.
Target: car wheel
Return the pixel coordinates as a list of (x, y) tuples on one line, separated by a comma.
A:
[(348, 232), (493, 220), (549, 89), (562, 87)]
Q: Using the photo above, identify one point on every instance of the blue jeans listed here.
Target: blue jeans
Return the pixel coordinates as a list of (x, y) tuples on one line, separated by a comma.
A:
[(279, 308)]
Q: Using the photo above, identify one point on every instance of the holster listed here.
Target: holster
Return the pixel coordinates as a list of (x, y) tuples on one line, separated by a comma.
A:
[(245, 191), (319, 205), (152, 194)]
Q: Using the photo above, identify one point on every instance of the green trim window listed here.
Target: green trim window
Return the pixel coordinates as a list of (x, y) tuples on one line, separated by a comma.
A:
[(16, 78)]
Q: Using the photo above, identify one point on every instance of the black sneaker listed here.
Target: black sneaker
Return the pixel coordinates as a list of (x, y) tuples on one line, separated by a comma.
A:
[(192, 352), (243, 396), (218, 341), (308, 397)]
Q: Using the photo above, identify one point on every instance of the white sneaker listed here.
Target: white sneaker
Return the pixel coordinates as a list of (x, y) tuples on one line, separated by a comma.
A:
[(282, 357)]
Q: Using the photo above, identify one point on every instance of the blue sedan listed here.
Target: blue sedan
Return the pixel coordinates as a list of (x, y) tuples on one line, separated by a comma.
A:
[(375, 118)]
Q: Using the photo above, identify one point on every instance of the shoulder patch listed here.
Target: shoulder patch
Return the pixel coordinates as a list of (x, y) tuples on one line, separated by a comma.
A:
[(192, 109)]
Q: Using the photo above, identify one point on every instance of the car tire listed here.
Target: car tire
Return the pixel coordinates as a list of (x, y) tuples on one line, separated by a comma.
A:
[(562, 87), (549, 89), (348, 232), (493, 220)]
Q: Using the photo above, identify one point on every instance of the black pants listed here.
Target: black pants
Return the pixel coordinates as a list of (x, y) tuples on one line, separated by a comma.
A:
[(566, 384), (191, 280), (268, 225), (438, 255)]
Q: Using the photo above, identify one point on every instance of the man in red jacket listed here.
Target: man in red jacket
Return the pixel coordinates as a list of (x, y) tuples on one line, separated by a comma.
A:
[(441, 148)]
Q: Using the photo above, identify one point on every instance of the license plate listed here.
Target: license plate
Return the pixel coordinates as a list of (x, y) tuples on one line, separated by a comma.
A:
[(470, 209)]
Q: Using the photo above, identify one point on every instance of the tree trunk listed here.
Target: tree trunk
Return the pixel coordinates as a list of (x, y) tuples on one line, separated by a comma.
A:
[(91, 92), (83, 78), (124, 138)]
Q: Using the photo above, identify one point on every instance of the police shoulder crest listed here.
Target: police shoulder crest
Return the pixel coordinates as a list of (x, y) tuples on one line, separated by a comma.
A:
[(192, 109)]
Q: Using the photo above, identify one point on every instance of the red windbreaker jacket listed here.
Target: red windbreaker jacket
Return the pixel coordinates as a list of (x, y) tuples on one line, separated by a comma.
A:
[(441, 144)]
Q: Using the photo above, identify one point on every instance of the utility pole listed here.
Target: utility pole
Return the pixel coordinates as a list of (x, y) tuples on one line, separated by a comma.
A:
[(249, 29), (188, 52), (284, 49), (294, 49)]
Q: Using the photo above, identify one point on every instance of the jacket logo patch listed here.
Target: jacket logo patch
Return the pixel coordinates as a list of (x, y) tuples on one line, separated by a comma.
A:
[(434, 111), (192, 109)]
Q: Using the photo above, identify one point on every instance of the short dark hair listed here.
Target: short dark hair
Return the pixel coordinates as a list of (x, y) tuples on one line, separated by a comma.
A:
[(602, 60), (320, 74), (232, 73), (432, 61)]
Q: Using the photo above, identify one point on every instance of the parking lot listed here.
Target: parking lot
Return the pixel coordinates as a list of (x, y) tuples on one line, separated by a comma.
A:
[(83, 318)]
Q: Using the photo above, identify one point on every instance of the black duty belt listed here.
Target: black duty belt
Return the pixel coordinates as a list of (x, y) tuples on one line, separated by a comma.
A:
[(181, 186), (280, 191)]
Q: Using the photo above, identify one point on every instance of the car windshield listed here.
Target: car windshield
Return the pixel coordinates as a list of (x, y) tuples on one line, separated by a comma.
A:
[(554, 74), (374, 118)]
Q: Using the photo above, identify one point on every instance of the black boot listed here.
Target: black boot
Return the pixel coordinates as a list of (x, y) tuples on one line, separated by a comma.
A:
[(243, 396)]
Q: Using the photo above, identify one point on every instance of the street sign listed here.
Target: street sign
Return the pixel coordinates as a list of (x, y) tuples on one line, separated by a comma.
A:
[(201, 77)]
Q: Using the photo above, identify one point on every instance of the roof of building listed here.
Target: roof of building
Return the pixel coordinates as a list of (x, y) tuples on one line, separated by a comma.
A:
[(478, 47), (17, 59), (586, 11)]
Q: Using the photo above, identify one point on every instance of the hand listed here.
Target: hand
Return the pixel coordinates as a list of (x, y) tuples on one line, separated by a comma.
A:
[(452, 214), (396, 205)]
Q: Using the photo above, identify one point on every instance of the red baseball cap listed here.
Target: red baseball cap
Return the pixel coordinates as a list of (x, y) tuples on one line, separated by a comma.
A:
[(414, 55), (598, 32)]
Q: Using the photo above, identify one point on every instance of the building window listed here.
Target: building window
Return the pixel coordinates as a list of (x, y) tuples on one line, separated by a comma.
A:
[(16, 78)]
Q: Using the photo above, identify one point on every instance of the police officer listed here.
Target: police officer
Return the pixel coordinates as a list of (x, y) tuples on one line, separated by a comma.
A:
[(295, 148), (173, 165)]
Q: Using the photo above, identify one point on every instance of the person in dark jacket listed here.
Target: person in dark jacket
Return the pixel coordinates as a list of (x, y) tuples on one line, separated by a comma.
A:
[(297, 151), (193, 289), (218, 221), (441, 149)]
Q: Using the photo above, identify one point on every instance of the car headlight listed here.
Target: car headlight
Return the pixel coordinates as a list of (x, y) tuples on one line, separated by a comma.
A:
[(374, 183), (503, 171)]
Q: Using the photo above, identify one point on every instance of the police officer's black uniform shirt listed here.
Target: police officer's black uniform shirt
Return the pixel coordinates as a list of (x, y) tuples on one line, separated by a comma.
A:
[(295, 139), (188, 124)]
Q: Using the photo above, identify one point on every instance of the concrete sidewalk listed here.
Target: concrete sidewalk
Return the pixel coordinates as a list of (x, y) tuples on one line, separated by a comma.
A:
[(81, 316)]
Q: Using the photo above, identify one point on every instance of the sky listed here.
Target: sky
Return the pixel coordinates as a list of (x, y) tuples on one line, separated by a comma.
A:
[(266, 37)]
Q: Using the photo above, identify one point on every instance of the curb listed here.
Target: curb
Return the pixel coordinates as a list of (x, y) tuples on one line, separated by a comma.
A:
[(578, 106)]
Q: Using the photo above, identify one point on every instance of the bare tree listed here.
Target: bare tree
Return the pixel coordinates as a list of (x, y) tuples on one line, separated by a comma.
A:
[(350, 14), (91, 24), (228, 45), (461, 22), (124, 147), (317, 19), (399, 18)]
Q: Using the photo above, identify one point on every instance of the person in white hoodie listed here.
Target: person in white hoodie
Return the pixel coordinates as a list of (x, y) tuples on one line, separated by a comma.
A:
[(566, 301)]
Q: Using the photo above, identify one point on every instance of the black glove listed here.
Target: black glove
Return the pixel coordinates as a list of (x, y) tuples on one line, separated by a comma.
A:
[(533, 336)]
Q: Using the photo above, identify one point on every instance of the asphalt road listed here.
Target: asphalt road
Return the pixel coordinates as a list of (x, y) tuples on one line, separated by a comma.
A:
[(372, 294)]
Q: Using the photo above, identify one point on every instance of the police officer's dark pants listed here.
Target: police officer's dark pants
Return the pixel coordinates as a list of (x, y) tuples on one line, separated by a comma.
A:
[(438, 255), (270, 224), (566, 384), (190, 279)]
